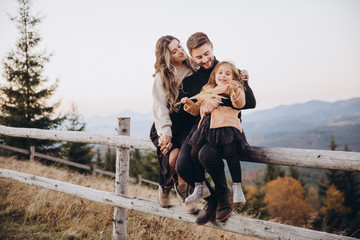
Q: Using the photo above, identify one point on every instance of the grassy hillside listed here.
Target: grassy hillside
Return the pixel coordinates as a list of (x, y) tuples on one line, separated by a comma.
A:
[(28, 212)]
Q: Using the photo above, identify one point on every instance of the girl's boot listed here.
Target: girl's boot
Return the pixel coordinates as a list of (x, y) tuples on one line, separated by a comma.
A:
[(239, 196), (201, 191)]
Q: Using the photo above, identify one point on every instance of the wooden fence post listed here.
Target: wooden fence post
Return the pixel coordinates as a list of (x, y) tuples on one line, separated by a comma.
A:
[(121, 181), (93, 169), (32, 153), (138, 179)]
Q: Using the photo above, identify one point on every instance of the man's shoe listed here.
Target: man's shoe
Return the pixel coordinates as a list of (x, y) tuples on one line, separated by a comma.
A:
[(239, 197), (201, 191), (163, 196), (182, 192), (208, 212), (225, 206)]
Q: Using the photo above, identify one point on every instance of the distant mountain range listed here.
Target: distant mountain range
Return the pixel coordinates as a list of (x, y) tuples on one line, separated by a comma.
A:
[(302, 125)]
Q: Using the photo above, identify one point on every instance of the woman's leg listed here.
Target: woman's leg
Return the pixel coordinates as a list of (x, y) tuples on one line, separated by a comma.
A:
[(172, 163), (181, 187)]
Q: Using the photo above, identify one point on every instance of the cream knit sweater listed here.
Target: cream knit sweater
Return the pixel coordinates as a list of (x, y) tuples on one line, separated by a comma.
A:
[(161, 113)]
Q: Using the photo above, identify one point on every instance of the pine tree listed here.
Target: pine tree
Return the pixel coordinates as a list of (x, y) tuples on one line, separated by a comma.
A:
[(272, 172), (75, 151), (23, 96), (99, 160), (110, 159), (295, 173), (348, 183), (144, 164)]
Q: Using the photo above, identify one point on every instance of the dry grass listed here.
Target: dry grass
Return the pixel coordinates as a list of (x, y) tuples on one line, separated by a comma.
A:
[(28, 212)]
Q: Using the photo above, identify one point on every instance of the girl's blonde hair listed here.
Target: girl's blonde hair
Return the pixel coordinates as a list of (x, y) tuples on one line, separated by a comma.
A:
[(167, 70), (235, 72)]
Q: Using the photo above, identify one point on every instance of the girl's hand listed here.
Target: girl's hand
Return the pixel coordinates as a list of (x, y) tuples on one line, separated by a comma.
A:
[(234, 84), (185, 100)]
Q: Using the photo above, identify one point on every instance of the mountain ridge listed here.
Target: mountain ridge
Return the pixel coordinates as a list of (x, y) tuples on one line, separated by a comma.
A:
[(283, 126)]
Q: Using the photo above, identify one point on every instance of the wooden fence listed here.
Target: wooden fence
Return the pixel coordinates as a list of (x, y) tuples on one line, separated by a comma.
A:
[(337, 160), (93, 168)]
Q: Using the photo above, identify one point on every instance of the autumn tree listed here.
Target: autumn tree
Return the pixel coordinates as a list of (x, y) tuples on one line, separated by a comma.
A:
[(255, 201), (348, 183), (286, 200), (333, 210), (312, 197), (24, 95)]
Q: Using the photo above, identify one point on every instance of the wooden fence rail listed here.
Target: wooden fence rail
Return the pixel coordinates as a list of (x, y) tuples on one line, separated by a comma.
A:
[(336, 160), (236, 223), (323, 159), (92, 168)]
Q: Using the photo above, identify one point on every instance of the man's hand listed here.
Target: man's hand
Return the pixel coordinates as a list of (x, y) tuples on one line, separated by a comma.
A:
[(244, 76), (165, 144), (208, 107)]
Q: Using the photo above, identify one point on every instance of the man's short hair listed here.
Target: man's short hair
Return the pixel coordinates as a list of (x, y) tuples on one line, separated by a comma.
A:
[(197, 40)]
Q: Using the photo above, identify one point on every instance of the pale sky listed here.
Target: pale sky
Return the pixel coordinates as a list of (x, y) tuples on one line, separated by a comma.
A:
[(104, 51)]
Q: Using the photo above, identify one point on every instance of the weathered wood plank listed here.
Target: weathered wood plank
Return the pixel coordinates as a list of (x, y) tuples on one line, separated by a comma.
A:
[(324, 159), (60, 160), (15, 149), (236, 223), (77, 136)]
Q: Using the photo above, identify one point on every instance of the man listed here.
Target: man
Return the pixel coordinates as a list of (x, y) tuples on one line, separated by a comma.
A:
[(220, 202)]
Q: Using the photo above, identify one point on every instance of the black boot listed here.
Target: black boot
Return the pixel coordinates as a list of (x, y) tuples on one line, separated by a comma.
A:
[(208, 212), (225, 206)]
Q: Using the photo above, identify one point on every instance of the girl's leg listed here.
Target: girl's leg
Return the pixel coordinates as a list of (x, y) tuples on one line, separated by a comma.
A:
[(231, 155)]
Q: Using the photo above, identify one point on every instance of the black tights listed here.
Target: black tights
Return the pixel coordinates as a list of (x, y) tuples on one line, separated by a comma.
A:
[(201, 154)]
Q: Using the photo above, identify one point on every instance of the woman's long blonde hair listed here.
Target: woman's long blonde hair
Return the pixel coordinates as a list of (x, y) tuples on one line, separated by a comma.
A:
[(167, 70), (235, 72)]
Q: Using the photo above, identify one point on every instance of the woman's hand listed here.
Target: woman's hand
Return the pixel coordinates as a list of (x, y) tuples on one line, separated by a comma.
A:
[(165, 144)]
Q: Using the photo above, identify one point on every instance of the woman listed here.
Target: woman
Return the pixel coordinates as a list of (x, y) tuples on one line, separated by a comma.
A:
[(171, 67)]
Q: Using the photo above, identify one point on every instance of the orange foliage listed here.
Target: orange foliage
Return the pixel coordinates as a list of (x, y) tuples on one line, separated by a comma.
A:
[(333, 204), (286, 200), (313, 198)]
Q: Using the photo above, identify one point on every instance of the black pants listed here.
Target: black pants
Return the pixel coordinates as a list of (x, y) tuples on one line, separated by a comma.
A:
[(164, 165), (201, 158), (185, 166)]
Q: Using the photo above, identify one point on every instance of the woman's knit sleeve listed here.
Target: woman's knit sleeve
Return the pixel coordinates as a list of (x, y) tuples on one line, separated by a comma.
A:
[(160, 111)]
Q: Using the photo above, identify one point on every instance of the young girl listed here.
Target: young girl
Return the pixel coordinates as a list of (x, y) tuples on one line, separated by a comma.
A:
[(222, 128)]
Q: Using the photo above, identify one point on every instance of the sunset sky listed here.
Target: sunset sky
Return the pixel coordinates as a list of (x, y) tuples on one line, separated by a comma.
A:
[(295, 50)]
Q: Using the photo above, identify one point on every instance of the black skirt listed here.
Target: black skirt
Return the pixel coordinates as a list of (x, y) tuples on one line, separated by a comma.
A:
[(218, 136)]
